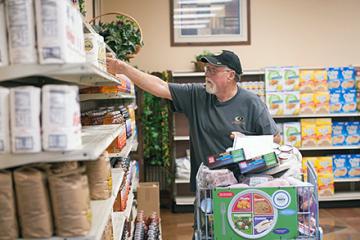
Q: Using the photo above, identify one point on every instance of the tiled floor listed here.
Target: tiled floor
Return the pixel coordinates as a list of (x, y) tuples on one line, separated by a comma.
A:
[(337, 224)]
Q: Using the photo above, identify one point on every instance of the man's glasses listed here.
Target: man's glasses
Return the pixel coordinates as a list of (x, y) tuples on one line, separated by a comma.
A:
[(214, 70)]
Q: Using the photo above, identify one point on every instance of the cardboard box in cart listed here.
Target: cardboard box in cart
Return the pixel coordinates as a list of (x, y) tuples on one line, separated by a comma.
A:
[(148, 198)]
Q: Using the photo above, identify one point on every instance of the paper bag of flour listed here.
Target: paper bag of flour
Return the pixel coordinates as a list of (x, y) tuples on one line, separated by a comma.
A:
[(4, 120)]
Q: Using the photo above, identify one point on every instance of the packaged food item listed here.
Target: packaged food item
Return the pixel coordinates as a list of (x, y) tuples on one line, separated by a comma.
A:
[(349, 101), (352, 136), (322, 102), (4, 121), (340, 166), (336, 101), (306, 81), (25, 119), (275, 103), (339, 133), (92, 48), (326, 184), (33, 203), (4, 55), (102, 53), (323, 132), (357, 69), (307, 105), (280, 127), (8, 220), (71, 203), (292, 103), (274, 79), (334, 78), (292, 134), (320, 80), (61, 118), (324, 164), (291, 79), (21, 31), (305, 160), (348, 78), (308, 132), (358, 100), (59, 32), (354, 165)]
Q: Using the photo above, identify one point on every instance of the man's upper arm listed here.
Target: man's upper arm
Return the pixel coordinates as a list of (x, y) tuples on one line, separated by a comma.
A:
[(181, 97)]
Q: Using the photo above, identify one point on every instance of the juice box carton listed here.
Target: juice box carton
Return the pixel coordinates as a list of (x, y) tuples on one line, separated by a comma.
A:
[(352, 133), (322, 102), (326, 184), (292, 134), (291, 103), (324, 164), (306, 80), (274, 79), (353, 165), (275, 103), (339, 133), (320, 80), (348, 78), (340, 166), (307, 105), (349, 101), (291, 79), (334, 78), (336, 101), (308, 132), (323, 132)]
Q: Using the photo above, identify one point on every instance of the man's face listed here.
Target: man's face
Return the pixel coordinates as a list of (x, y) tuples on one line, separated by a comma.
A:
[(216, 78)]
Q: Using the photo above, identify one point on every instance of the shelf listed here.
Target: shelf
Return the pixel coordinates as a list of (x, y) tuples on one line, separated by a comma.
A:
[(118, 220), (181, 138), (104, 96), (343, 180), (345, 196), (126, 150), (278, 169), (182, 180), (202, 74), (95, 139), (332, 115), (184, 200), (329, 148)]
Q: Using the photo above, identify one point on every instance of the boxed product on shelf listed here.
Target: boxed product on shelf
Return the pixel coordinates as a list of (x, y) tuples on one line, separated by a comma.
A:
[(292, 134), (349, 101), (148, 197), (320, 80), (291, 103), (95, 50), (323, 132), (59, 32), (340, 166), (280, 127), (336, 101), (306, 80), (308, 132), (274, 79), (322, 102), (357, 78), (8, 220), (4, 55), (307, 105), (324, 164), (326, 184), (61, 124), (334, 78), (339, 133), (25, 119), (291, 79), (353, 165), (33, 200), (348, 78), (102, 53), (119, 142), (4, 120), (352, 135), (275, 103), (21, 31)]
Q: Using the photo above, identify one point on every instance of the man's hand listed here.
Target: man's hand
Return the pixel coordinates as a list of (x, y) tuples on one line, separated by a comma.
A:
[(114, 66), (235, 134)]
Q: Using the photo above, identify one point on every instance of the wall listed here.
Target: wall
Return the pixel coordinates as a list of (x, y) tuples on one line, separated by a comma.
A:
[(283, 32)]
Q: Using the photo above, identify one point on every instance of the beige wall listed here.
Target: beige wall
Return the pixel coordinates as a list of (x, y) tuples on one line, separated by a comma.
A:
[(283, 32)]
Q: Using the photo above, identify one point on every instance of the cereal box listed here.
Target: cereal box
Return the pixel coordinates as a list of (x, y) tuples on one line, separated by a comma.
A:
[(348, 78), (349, 101), (352, 133), (274, 79), (275, 103), (353, 165), (324, 164), (291, 103), (320, 80), (291, 79), (334, 78), (336, 102), (358, 100), (339, 133), (340, 166), (326, 184), (322, 102), (323, 132), (292, 134), (307, 105), (306, 80), (308, 132), (357, 78)]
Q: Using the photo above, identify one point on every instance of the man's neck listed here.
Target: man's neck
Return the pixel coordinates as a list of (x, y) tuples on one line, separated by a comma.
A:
[(227, 94)]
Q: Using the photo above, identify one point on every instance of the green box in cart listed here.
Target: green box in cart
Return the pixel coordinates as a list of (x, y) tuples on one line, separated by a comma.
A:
[(255, 213)]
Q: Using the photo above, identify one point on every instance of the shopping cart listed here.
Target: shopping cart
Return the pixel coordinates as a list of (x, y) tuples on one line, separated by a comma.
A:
[(204, 226)]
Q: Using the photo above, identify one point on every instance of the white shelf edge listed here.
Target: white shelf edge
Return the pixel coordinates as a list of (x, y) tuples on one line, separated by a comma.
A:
[(181, 138), (343, 180), (127, 149), (182, 180), (357, 114), (95, 139), (99, 96), (184, 200), (345, 196), (329, 148)]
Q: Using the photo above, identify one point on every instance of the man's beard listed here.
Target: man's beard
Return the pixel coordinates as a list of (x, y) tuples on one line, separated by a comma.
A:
[(210, 87)]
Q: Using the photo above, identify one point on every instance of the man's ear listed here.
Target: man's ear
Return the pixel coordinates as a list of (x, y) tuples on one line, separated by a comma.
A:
[(232, 75)]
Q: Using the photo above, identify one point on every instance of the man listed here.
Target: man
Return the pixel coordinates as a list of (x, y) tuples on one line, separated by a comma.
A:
[(214, 111)]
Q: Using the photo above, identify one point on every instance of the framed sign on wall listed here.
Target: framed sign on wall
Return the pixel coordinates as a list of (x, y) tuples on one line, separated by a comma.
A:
[(209, 22)]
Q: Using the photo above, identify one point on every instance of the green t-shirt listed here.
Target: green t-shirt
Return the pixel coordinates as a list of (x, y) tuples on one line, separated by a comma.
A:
[(211, 122)]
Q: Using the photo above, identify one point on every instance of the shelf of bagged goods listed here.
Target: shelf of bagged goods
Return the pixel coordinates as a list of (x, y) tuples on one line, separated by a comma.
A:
[(201, 74), (344, 196), (95, 139), (329, 115), (104, 96), (130, 144)]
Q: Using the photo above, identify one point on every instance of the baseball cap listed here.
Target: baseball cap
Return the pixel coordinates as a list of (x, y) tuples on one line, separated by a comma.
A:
[(226, 58)]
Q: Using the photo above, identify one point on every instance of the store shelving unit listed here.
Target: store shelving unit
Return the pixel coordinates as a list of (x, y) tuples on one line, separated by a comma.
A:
[(342, 196), (104, 96), (329, 115)]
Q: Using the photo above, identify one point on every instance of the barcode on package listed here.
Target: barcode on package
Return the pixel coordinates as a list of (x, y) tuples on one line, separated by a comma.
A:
[(57, 141), (53, 52), (24, 143)]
